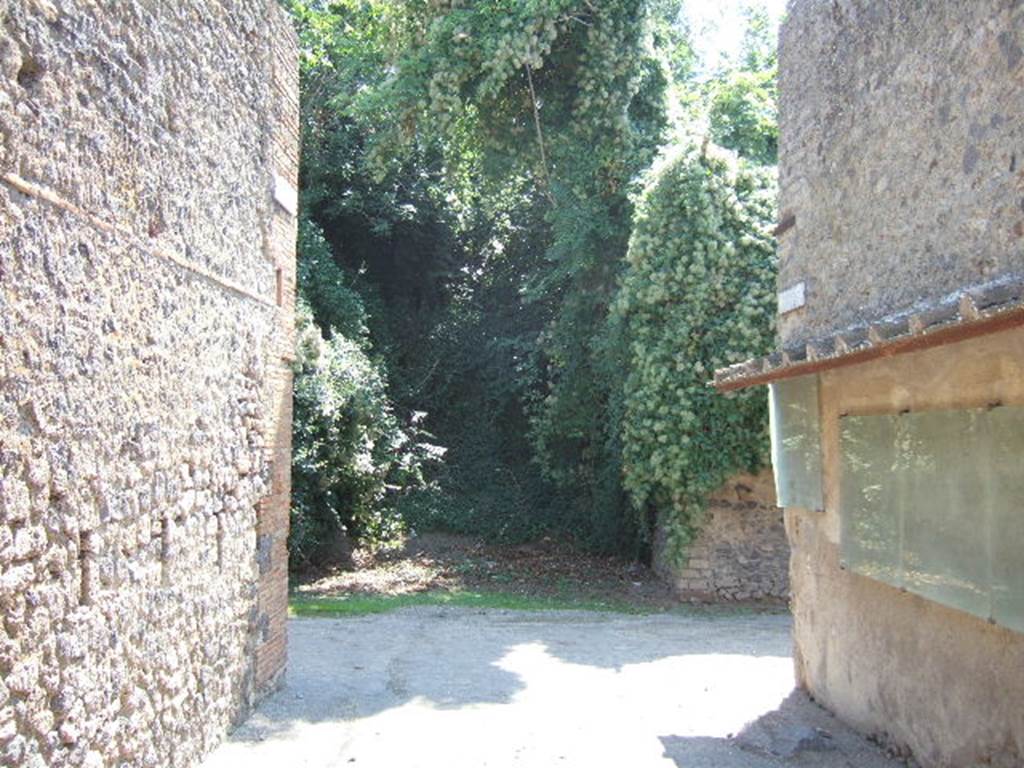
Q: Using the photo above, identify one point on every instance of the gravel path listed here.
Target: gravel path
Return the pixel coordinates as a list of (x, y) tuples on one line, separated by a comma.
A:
[(463, 688)]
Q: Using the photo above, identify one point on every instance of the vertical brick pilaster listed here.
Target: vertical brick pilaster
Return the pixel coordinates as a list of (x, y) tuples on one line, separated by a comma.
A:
[(272, 527)]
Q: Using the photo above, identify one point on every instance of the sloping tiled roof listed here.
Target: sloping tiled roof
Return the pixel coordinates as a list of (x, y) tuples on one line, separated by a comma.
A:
[(975, 311)]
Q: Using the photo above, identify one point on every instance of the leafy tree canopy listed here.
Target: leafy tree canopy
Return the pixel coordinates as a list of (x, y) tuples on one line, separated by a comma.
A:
[(471, 173)]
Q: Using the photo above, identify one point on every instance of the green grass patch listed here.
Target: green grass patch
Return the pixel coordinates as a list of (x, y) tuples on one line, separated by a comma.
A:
[(361, 605)]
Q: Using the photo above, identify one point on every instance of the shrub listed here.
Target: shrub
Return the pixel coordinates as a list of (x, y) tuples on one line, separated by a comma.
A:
[(697, 295), (351, 453)]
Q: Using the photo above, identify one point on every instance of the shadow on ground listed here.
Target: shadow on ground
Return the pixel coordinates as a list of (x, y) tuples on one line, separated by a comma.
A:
[(453, 657), (459, 687), (797, 733)]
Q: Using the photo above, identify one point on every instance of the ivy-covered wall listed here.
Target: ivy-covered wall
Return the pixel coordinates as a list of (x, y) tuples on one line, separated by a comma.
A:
[(740, 552), (696, 293)]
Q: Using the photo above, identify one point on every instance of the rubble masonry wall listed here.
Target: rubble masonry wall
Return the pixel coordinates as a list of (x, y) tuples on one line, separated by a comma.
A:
[(148, 160)]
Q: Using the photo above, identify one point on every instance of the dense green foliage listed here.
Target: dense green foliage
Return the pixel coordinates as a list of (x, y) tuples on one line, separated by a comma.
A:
[(472, 171), (743, 116), (567, 98), (697, 294), (349, 447)]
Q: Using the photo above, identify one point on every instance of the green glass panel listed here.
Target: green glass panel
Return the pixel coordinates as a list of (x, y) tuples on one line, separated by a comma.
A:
[(1007, 534), (934, 502), (945, 552), (871, 493), (796, 442)]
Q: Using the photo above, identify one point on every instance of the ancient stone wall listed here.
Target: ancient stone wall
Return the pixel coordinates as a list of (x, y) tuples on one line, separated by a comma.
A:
[(741, 552), (147, 175), (901, 156)]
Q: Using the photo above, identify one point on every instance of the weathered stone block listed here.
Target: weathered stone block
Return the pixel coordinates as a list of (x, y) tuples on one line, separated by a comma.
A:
[(14, 500), (29, 542), (741, 551), (16, 579), (23, 677)]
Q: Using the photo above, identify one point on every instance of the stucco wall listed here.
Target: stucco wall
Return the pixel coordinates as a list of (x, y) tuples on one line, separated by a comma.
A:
[(945, 685), (741, 552), (901, 180), (901, 154), (146, 280)]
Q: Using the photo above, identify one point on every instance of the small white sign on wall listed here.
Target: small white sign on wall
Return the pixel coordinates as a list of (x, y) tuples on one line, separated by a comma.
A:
[(792, 298), (286, 195)]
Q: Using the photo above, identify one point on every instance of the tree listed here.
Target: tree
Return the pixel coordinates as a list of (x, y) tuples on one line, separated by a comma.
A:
[(472, 172), (743, 111), (743, 115)]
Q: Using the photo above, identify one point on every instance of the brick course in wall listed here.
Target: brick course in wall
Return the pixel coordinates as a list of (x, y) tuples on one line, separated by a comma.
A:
[(148, 162), (272, 528)]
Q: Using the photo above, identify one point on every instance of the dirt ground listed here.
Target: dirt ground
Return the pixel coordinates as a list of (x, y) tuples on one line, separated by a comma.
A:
[(436, 561), (430, 687)]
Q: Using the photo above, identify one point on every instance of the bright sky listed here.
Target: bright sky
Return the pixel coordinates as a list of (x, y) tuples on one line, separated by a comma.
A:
[(717, 26)]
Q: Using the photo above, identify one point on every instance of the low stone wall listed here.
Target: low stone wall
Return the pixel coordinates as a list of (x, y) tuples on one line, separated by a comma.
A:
[(741, 552), (146, 281)]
